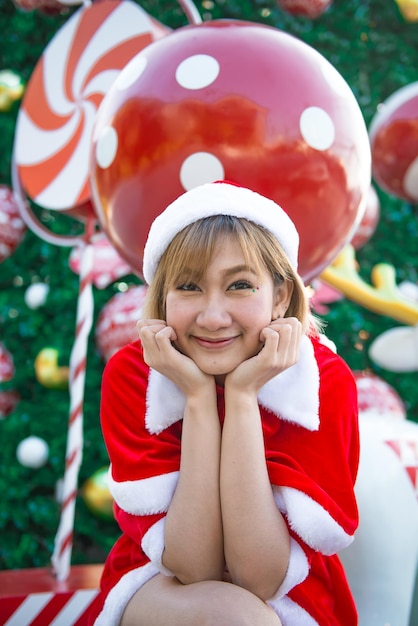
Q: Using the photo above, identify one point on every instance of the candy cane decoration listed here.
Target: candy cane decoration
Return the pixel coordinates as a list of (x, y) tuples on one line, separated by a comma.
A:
[(61, 557)]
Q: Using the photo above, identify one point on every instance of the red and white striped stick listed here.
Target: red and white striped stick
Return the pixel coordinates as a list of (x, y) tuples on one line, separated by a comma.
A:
[(61, 557)]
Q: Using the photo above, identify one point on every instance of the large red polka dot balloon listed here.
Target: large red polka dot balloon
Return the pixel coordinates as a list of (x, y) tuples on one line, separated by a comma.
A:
[(394, 143), (238, 101)]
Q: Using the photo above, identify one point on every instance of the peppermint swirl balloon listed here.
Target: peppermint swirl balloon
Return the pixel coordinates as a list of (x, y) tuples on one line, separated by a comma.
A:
[(56, 118)]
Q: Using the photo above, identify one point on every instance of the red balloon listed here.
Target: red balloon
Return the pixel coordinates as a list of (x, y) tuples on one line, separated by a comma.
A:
[(185, 112), (394, 144), (116, 326), (369, 221), (12, 227), (305, 8)]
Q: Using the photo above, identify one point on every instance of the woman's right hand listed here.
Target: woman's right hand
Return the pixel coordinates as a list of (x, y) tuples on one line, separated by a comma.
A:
[(159, 353)]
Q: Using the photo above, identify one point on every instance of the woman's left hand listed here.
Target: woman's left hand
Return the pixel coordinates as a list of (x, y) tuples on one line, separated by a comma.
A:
[(280, 351)]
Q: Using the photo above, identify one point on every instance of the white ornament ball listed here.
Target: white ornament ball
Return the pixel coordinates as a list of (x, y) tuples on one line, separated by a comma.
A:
[(36, 294), (32, 452)]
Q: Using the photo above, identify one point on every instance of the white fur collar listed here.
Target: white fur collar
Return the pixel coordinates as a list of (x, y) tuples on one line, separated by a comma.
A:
[(293, 395)]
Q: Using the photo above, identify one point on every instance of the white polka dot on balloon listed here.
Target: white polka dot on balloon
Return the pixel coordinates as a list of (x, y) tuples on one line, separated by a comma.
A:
[(32, 452), (197, 71), (317, 128), (200, 168)]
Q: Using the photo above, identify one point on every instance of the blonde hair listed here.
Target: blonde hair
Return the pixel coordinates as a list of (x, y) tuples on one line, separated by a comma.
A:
[(190, 251)]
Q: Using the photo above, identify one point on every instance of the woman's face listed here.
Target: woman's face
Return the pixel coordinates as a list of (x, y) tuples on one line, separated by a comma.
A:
[(218, 321)]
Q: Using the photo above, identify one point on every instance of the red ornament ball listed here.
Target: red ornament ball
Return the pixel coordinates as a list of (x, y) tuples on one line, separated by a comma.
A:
[(49, 7), (7, 368), (8, 397), (305, 8), (394, 143), (116, 325), (377, 397), (12, 227), (183, 112)]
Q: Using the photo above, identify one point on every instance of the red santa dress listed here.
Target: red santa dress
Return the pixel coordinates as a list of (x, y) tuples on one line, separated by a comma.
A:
[(309, 417)]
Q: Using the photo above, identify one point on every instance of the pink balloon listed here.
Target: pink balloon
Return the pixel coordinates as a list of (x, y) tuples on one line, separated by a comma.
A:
[(239, 101), (394, 143)]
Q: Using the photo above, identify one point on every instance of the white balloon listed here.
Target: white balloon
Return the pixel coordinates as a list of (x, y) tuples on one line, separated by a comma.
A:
[(396, 350), (32, 452)]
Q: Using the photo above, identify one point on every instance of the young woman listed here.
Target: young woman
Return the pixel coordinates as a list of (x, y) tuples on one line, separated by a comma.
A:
[(231, 430)]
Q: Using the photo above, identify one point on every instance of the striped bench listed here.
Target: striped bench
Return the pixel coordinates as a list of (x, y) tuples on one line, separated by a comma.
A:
[(33, 597)]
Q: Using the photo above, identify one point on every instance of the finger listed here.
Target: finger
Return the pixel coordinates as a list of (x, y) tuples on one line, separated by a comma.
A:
[(166, 334), (142, 323), (283, 338)]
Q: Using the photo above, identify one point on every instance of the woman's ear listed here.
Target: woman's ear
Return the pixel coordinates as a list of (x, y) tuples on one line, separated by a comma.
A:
[(283, 296)]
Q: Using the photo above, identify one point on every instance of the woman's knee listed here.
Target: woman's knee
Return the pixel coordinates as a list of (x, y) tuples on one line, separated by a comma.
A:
[(208, 603), (230, 605)]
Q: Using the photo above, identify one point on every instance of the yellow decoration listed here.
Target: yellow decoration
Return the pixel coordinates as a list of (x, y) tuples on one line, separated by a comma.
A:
[(48, 372), (409, 9), (11, 89), (96, 495), (384, 297)]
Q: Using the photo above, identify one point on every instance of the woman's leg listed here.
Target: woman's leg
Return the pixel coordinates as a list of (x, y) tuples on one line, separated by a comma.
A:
[(163, 601)]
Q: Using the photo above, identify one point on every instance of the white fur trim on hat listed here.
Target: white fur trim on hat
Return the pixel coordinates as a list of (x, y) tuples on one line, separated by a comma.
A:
[(220, 198)]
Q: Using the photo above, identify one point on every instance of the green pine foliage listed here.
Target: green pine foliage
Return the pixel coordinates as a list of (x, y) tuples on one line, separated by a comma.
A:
[(375, 50)]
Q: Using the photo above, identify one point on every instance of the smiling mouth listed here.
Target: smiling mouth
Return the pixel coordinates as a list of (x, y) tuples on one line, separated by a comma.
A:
[(221, 342)]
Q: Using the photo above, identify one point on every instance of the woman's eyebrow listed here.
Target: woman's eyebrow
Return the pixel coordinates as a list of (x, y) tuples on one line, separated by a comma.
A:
[(236, 269)]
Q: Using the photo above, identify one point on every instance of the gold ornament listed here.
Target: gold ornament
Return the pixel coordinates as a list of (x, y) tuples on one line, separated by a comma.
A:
[(11, 89)]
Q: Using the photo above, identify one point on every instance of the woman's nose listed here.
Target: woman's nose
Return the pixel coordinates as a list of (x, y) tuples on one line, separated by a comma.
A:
[(214, 314)]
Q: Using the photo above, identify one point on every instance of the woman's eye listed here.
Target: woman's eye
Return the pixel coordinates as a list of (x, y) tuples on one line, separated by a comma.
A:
[(187, 287), (240, 284)]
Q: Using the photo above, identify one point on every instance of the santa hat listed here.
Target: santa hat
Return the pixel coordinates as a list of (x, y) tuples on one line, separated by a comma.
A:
[(219, 198)]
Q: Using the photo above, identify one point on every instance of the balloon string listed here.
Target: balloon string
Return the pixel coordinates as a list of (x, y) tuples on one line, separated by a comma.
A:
[(61, 557), (190, 11)]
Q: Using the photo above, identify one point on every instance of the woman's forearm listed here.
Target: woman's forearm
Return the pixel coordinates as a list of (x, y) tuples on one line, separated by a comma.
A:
[(256, 539), (193, 530)]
